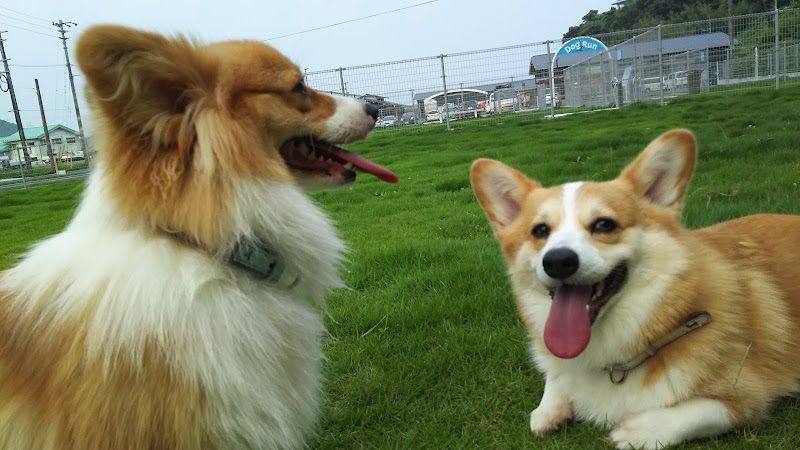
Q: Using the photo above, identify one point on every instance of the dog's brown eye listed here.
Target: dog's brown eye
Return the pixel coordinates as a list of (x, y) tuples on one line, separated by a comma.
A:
[(300, 88), (603, 225), (541, 231)]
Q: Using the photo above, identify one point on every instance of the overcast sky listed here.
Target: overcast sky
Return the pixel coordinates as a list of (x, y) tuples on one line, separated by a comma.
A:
[(432, 27)]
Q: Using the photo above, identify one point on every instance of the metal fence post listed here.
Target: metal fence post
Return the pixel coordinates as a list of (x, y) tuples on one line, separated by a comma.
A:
[(785, 58), (616, 85), (777, 49), (341, 80), (633, 91), (603, 101), (756, 58), (687, 60), (551, 66), (728, 62), (708, 70), (444, 86), (660, 67)]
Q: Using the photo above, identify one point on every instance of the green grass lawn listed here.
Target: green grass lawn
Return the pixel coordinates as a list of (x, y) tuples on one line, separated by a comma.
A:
[(426, 349)]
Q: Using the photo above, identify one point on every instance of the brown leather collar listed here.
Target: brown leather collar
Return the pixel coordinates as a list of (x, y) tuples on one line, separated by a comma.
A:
[(618, 372)]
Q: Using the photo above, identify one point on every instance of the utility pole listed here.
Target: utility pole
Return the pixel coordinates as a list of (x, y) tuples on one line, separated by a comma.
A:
[(60, 25), (46, 131), (21, 131)]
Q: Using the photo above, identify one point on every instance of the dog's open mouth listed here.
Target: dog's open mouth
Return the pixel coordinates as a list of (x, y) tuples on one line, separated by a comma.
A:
[(574, 310), (308, 154)]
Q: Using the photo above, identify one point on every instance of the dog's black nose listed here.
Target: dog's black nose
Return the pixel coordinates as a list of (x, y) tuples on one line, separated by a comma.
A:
[(372, 110), (560, 262)]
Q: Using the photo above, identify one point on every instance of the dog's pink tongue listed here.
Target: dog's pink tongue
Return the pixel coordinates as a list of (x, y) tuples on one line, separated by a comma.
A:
[(365, 164), (568, 328)]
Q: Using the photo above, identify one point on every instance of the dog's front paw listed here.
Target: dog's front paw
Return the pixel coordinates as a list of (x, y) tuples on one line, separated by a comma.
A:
[(547, 418), (640, 431)]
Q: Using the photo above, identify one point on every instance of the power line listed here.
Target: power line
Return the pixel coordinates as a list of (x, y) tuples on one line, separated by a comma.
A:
[(352, 20), (48, 109), (26, 15), (37, 65), (32, 31), (25, 21)]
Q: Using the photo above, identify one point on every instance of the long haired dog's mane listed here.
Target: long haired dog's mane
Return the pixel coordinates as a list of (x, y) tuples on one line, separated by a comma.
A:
[(177, 147), (130, 329)]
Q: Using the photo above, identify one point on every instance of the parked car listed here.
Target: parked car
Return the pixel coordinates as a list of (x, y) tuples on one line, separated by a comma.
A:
[(408, 118), (677, 80), (433, 116), (547, 98), (74, 156), (387, 121), (653, 84), (484, 108), (448, 111), (503, 100), (470, 109)]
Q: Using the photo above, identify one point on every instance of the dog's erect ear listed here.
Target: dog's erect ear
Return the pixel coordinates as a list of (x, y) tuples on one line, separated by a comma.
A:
[(661, 173), (500, 190), (137, 78)]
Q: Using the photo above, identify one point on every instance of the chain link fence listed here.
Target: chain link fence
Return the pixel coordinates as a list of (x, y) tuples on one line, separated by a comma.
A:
[(440, 89), (690, 58), (650, 64)]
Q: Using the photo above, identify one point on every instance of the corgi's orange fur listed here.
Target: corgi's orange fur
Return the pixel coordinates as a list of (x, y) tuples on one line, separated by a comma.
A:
[(132, 329), (602, 271)]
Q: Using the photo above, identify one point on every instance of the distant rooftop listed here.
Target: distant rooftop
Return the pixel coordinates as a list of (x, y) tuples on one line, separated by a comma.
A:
[(32, 134), (35, 133), (516, 84)]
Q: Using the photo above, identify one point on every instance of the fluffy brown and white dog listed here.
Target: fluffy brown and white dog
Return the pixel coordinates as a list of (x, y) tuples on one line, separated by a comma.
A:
[(178, 308), (664, 333)]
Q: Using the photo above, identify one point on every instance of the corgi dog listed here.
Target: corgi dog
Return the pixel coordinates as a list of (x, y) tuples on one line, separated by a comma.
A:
[(179, 309), (664, 334)]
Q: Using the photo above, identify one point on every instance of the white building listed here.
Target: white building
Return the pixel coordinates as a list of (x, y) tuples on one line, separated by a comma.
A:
[(64, 141)]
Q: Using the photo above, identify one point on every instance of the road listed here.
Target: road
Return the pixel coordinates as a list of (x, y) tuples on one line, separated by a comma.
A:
[(72, 175)]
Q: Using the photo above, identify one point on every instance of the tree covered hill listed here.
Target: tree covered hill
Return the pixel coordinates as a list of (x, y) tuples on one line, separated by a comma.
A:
[(646, 13), (7, 128)]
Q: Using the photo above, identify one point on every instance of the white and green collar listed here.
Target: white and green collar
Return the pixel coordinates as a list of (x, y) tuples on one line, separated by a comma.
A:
[(254, 257), (263, 262)]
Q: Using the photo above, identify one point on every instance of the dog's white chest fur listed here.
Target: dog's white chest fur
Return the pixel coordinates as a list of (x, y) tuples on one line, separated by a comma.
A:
[(595, 398), (253, 347)]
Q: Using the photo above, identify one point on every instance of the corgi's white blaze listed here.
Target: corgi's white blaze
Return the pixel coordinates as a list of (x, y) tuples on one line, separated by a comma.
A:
[(570, 234)]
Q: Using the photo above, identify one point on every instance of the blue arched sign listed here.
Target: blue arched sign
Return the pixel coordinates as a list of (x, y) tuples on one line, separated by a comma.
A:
[(581, 44)]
